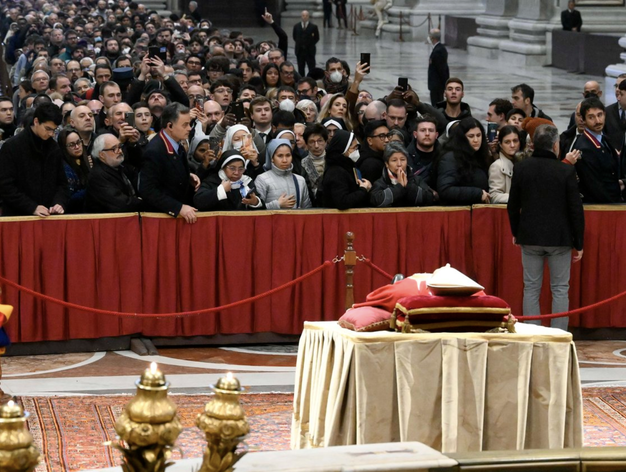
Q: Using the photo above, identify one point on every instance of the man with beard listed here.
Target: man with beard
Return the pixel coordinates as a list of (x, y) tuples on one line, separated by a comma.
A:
[(214, 113), (453, 107), (335, 77), (111, 49), (128, 135), (424, 146), (110, 189), (371, 163), (601, 170), (32, 177), (73, 71), (82, 120)]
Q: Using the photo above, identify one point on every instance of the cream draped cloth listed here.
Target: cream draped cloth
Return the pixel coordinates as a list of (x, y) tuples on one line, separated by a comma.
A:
[(455, 392)]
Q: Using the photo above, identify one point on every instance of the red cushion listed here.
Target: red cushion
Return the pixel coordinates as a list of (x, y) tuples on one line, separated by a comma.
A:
[(367, 318), (448, 313)]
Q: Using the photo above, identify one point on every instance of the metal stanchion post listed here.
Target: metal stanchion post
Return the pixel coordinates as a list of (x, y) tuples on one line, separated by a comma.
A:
[(401, 39), (349, 262)]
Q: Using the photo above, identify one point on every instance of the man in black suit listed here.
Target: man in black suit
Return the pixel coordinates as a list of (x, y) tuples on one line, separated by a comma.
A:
[(547, 221), (165, 182), (305, 35), (438, 71), (570, 18), (110, 189), (615, 125), (600, 169)]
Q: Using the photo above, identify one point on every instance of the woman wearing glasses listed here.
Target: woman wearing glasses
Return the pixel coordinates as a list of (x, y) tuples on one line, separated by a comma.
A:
[(77, 166), (229, 188)]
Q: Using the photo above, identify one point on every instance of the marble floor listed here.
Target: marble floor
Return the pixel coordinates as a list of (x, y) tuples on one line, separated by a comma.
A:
[(260, 368), (193, 369)]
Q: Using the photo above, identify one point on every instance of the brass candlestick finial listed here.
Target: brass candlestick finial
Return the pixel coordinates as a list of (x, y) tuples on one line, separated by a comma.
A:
[(224, 423), (148, 425), (17, 453)]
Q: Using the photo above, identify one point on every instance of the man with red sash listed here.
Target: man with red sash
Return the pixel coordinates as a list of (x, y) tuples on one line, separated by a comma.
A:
[(600, 169)]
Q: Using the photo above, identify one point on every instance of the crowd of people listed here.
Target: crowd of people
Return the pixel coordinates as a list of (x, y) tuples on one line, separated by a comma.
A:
[(115, 108)]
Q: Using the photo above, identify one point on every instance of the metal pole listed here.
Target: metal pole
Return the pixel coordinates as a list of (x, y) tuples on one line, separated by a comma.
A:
[(349, 261), (401, 39)]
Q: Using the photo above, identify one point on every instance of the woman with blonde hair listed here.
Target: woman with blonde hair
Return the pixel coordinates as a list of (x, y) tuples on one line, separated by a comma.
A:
[(336, 107)]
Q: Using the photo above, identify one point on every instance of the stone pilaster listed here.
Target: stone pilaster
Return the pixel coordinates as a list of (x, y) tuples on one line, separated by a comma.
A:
[(527, 34), (493, 28)]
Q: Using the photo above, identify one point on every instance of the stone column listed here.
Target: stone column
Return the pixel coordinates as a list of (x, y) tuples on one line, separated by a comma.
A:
[(436, 8), (493, 27), (612, 72), (527, 34)]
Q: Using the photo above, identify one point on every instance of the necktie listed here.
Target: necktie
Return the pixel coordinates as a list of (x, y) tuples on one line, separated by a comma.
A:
[(181, 152), (263, 136), (623, 118)]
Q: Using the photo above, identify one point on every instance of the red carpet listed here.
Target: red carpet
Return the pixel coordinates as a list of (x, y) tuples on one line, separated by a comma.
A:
[(70, 431)]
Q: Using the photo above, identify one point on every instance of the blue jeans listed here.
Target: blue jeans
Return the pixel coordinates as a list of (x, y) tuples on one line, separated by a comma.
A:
[(559, 262)]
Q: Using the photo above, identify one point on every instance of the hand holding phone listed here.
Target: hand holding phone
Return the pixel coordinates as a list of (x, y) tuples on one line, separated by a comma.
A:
[(129, 118), (365, 59), (403, 83)]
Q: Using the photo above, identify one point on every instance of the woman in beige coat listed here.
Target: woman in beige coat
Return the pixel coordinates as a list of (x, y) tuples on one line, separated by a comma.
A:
[(501, 170)]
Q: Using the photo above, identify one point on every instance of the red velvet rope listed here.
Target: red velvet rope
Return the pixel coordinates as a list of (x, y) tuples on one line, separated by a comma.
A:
[(573, 312), (378, 269), (255, 298), (245, 301)]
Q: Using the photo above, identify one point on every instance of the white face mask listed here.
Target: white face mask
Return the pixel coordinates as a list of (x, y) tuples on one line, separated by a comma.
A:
[(336, 77), (287, 105), (237, 145), (354, 155), (125, 50)]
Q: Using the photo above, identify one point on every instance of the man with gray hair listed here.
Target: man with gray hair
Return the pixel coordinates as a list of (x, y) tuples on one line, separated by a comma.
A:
[(547, 221), (438, 71), (109, 189)]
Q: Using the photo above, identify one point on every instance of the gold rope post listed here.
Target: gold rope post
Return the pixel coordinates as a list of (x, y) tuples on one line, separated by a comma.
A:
[(349, 261)]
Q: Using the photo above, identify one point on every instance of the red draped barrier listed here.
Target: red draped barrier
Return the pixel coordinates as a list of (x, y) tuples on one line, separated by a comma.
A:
[(600, 275), (225, 257), (89, 260), (158, 264)]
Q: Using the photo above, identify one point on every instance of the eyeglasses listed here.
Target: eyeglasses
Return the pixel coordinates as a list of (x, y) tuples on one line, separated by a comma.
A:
[(304, 91), (236, 170), (115, 149), (382, 136), (75, 144), (222, 90), (73, 70), (50, 130), (287, 72), (317, 142)]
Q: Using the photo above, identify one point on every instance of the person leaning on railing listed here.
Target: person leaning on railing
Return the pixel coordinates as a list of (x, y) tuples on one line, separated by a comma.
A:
[(399, 186)]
